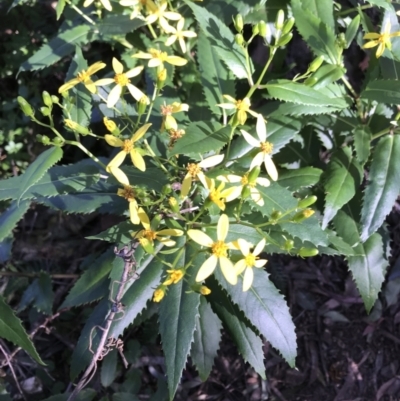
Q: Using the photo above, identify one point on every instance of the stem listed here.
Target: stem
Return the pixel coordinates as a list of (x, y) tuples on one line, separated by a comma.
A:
[(355, 9), (84, 150), (74, 7), (54, 276), (228, 149), (380, 133), (152, 31)]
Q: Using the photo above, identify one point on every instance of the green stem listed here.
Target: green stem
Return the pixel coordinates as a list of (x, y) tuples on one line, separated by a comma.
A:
[(74, 7), (380, 133), (226, 158), (152, 31), (84, 150), (353, 10)]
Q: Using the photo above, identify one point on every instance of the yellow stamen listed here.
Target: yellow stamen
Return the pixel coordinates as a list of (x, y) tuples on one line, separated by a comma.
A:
[(127, 146), (250, 259), (219, 249), (121, 79), (266, 147), (150, 235), (193, 169)]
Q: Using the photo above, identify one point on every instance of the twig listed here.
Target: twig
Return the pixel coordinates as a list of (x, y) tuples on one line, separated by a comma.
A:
[(129, 262), (8, 362), (55, 276)]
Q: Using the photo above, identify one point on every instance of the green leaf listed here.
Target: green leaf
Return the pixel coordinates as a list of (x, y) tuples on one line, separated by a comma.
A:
[(281, 130), (222, 40), (86, 394), (368, 267), (60, 46), (267, 310), (112, 25), (384, 185), (317, 34), (346, 227), (109, 368), (343, 247), (178, 313), (342, 179), (202, 137), (352, 30), (12, 330), (120, 233), (249, 343), (93, 284), (60, 8), (362, 143), (206, 339), (151, 178), (299, 93), (11, 217), (57, 180), (323, 9), (382, 3), (38, 168), (326, 75), (279, 109), (382, 91), (299, 178), (215, 78)]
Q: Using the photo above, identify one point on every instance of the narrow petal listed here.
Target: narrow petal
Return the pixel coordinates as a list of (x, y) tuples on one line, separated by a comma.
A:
[(114, 95), (230, 99), (256, 196), (137, 160), (371, 35), (182, 44), (230, 194), (117, 66), (90, 86), (380, 50), (261, 128), (270, 167), (203, 179), (172, 16), (166, 241), (106, 4), (260, 263), (95, 67), (248, 278), (113, 141), (259, 247), (227, 106), (68, 85), (143, 55), (264, 182), (233, 178), (228, 270), (207, 268), (170, 231), (211, 161), (222, 227), (104, 81), (186, 184), (134, 72), (258, 159), (200, 237), (118, 174), (250, 139), (368, 45), (175, 60), (133, 212), (180, 24), (240, 266), (244, 246), (136, 93), (144, 218), (155, 62), (171, 40), (140, 132), (189, 34), (118, 159)]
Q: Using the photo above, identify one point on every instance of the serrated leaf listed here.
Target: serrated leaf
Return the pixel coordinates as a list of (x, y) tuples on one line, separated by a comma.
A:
[(249, 343), (382, 91), (382, 3), (343, 247), (362, 143), (93, 284), (326, 75), (11, 217), (222, 40), (206, 339), (112, 25), (151, 178), (294, 92), (342, 179), (38, 168), (109, 368), (299, 178), (177, 318), (319, 36), (214, 76), (267, 310), (120, 233), (278, 109), (281, 130), (57, 180), (202, 137), (352, 30), (11, 329), (323, 9), (384, 185), (60, 46), (368, 268), (346, 227)]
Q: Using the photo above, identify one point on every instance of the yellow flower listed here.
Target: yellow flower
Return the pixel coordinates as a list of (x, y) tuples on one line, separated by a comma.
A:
[(159, 13), (127, 146), (180, 35), (148, 235), (105, 3), (167, 110), (175, 276), (203, 289), (159, 294), (158, 58), (129, 194), (194, 172), (219, 250), (219, 195), (242, 108), (84, 78), (382, 40), (249, 261), (121, 80), (266, 148), (244, 183)]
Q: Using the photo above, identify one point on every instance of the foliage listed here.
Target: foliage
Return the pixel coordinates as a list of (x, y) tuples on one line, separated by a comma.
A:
[(218, 164)]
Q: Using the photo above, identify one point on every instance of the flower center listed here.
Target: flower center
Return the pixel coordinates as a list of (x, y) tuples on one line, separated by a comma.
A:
[(245, 180), (219, 249), (83, 76), (166, 110), (266, 147), (127, 146), (215, 196), (250, 260), (127, 192), (121, 79), (150, 235), (243, 105), (155, 53), (176, 134), (193, 169), (176, 275)]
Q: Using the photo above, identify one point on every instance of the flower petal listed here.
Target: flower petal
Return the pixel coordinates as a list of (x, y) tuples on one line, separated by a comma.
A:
[(207, 268), (113, 141), (140, 132), (244, 246), (264, 182), (136, 93), (261, 128), (144, 218), (133, 212), (228, 270), (172, 39), (200, 237), (248, 278), (250, 139), (240, 266), (104, 81), (134, 72), (259, 247), (95, 67), (137, 160), (154, 62), (270, 167), (170, 231), (117, 160), (186, 184), (222, 227), (118, 174), (211, 161), (260, 263), (175, 60), (114, 95), (256, 196), (117, 66), (258, 159)]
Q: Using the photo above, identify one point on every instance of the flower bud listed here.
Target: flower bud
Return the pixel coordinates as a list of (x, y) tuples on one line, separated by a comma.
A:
[(25, 106), (204, 290), (142, 104), (302, 215), (173, 203), (306, 202), (45, 111), (147, 246), (45, 140), (255, 29), (159, 294), (253, 175), (111, 126), (245, 192), (58, 141), (262, 27), (55, 99), (276, 214), (307, 252), (287, 26), (47, 99), (238, 23), (74, 126), (310, 81), (289, 244), (280, 18), (239, 39), (161, 78), (285, 39), (315, 64)]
